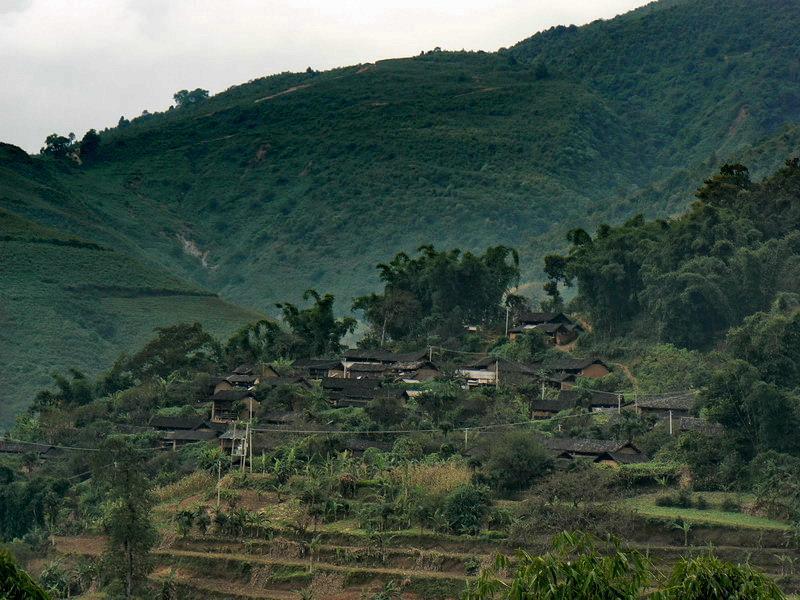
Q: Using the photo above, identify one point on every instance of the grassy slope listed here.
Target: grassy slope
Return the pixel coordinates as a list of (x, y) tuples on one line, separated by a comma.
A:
[(78, 305), (305, 180)]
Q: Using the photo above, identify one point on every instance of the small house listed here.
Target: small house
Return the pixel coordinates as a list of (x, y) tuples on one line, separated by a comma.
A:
[(173, 432), (365, 370), (569, 369), (544, 408), (592, 400), (602, 451), (413, 371), (666, 406), (317, 368), (355, 392), (491, 370), (232, 405)]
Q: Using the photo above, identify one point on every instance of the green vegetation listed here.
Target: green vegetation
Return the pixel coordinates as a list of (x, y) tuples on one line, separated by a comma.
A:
[(68, 303), (577, 569), (308, 179), (15, 583)]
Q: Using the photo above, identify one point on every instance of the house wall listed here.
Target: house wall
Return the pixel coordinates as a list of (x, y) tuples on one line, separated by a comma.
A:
[(222, 386)]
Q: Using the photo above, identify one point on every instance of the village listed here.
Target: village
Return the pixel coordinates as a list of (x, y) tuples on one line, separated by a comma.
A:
[(233, 415)]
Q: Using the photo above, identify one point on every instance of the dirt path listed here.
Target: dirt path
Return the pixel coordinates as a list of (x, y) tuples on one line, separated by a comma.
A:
[(294, 88), (627, 371)]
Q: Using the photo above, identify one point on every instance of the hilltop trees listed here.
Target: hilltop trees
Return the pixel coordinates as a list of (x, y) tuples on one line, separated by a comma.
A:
[(438, 292), (58, 146), (184, 98)]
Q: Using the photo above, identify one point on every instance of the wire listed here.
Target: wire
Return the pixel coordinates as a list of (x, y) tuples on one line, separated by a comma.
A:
[(15, 441)]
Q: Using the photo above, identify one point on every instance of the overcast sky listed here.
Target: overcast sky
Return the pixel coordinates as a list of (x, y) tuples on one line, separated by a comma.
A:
[(69, 65)]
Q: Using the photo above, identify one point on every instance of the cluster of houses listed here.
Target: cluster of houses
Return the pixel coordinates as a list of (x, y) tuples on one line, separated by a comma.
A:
[(361, 376)]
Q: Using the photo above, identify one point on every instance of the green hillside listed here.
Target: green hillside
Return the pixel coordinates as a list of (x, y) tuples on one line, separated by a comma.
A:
[(308, 180), (67, 303)]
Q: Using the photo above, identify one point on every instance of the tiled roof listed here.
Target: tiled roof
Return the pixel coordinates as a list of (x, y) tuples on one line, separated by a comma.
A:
[(186, 423), (667, 402)]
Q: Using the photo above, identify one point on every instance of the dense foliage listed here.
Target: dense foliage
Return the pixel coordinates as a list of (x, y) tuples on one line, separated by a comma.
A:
[(438, 292)]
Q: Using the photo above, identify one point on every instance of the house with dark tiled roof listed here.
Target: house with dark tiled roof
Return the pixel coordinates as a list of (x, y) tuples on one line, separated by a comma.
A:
[(41, 451), (356, 392), (413, 371), (592, 400), (491, 370), (566, 370), (228, 406), (556, 326), (317, 368), (175, 431), (597, 450), (700, 425), (666, 406), (544, 408)]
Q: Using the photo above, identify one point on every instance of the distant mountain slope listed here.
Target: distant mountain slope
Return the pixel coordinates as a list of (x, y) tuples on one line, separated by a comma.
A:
[(68, 303), (308, 180)]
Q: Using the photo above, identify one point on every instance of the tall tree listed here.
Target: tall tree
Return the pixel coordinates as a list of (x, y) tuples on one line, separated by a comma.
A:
[(316, 329), (118, 467)]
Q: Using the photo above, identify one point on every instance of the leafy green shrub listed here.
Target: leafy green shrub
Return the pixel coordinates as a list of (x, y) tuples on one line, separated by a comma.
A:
[(730, 505), (15, 583), (466, 508), (708, 578), (516, 460), (700, 503)]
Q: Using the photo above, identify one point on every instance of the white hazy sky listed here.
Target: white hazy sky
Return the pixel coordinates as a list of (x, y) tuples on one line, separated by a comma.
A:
[(69, 65)]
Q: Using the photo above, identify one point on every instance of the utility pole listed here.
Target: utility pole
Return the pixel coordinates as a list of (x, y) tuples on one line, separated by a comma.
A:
[(670, 422), (219, 479), (508, 312), (497, 373), (466, 438), (619, 403), (430, 353)]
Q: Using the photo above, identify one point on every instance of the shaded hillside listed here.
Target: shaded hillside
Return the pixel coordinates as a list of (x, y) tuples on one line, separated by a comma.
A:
[(68, 303)]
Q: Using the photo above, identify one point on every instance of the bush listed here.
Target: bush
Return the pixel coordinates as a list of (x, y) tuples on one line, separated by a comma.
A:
[(516, 460), (700, 503), (465, 509), (665, 500), (730, 505)]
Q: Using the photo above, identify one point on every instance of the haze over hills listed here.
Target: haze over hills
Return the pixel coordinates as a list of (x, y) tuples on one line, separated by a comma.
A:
[(308, 180)]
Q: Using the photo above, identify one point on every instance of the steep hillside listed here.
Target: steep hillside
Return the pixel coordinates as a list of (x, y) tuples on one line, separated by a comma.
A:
[(68, 303), (309, 179)]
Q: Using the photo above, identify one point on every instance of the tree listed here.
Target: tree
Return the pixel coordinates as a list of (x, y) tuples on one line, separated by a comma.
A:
[(516, 460), (89, 145), (185, 98), (73, 390), (316, 329), (131, 534), (259, 342), (16, 584), (184, 348), (58, 146), (436, 293)]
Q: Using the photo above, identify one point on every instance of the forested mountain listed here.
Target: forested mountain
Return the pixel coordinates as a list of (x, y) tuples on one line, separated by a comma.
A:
[(308, 180)]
